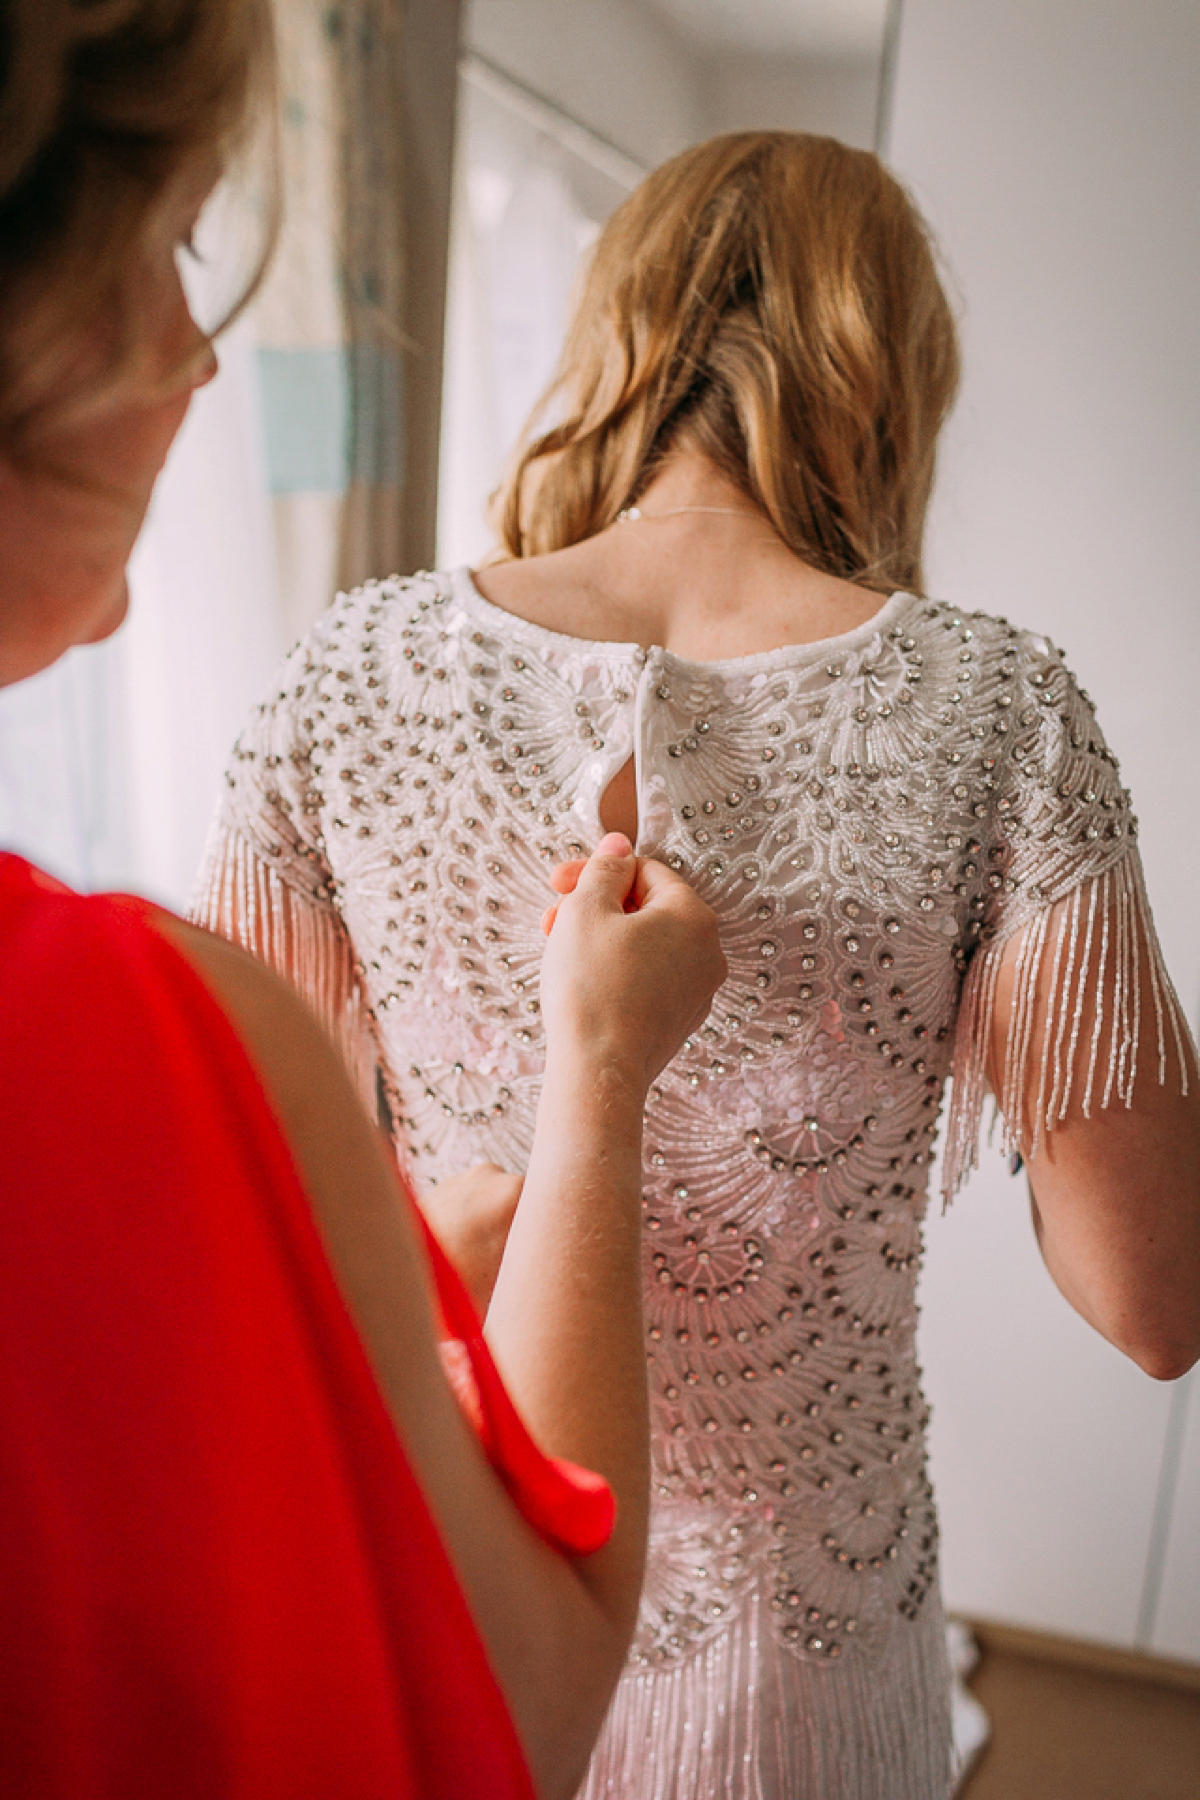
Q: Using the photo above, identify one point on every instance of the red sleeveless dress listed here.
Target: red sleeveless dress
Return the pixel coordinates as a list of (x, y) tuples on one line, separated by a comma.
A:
[(218, 1576)]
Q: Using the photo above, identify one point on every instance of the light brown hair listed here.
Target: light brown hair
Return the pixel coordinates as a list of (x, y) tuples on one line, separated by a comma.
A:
[(110, 110), (772, 300)]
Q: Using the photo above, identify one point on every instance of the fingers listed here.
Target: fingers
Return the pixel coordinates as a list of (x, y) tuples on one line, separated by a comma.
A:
[(610, 871), (564, 877), (652, 882), (633, 986), (658, 886), (660, 890)]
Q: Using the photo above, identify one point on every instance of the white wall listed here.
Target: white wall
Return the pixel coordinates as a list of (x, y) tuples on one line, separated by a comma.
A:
[(833, 98), (622, 69), (206, 628), (1174, 1631), (111, 762), (609, 63), (1055, 145)]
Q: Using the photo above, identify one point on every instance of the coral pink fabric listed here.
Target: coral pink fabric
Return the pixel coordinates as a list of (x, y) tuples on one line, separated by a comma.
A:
[(218, 1576)]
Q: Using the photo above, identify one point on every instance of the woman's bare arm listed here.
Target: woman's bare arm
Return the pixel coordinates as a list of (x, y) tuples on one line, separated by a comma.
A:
[(471, 1215), (1116, 1197), (556, 1631)]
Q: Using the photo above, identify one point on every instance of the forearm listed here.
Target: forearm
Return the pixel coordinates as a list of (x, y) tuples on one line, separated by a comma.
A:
[(565, 1326), (1064, 1277), (565, 1321), (1117, 1214), (1114, 1161)]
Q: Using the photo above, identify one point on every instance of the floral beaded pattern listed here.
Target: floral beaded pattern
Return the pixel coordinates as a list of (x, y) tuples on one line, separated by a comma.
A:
[(870, 818)]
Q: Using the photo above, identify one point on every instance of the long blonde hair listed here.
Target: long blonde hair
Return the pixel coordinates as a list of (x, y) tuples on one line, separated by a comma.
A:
[(108, 109), (772, 300)]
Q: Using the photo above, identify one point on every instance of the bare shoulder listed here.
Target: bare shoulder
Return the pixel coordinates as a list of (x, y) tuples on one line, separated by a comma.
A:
[(336, 1147), (551, 590), (704, 588), (287, 1045)]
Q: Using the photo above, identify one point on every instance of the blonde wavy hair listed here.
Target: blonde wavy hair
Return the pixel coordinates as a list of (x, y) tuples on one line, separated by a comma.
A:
[(110, 111), (772, 300)]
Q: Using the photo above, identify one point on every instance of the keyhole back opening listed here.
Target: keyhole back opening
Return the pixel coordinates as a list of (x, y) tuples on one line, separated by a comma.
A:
[(619, 802)]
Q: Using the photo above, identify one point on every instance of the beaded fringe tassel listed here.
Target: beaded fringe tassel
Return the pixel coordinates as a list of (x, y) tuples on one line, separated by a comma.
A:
[(745, 1717), (241, 897), (1090, 997)]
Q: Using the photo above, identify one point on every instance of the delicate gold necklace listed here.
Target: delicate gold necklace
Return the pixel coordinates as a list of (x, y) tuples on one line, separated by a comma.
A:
[(630, 515)]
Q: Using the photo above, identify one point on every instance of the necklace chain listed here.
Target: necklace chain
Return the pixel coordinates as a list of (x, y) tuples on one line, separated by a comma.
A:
[(630, 515)]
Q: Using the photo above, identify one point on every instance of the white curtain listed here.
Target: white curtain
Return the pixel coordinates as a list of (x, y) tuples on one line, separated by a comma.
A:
[(111, 762), (62, 769), (527, 206), (205, 630)]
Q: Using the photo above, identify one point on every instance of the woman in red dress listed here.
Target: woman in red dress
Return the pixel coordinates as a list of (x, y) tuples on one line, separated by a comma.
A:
[(251, 1543)]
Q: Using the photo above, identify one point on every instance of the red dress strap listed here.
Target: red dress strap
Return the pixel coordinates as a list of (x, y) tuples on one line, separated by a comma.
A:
[(218, 1575)]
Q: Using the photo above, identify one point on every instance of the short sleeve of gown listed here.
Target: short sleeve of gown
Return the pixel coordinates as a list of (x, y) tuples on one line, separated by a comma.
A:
[(1092, 1008), (265, 882)]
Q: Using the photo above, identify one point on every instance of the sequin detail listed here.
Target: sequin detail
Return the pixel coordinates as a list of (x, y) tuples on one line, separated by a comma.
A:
[(878, 821)]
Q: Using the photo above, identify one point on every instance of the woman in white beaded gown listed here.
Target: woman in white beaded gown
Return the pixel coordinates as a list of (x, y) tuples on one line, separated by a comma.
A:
[(710, 633)]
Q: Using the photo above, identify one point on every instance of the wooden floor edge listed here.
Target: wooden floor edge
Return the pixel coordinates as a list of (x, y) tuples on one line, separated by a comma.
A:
[(1079, 1653)]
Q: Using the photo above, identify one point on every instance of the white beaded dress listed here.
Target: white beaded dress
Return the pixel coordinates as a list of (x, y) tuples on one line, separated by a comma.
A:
[(873, 818)]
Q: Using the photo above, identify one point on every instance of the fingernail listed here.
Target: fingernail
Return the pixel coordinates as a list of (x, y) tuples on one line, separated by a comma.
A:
[(615, 844)]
